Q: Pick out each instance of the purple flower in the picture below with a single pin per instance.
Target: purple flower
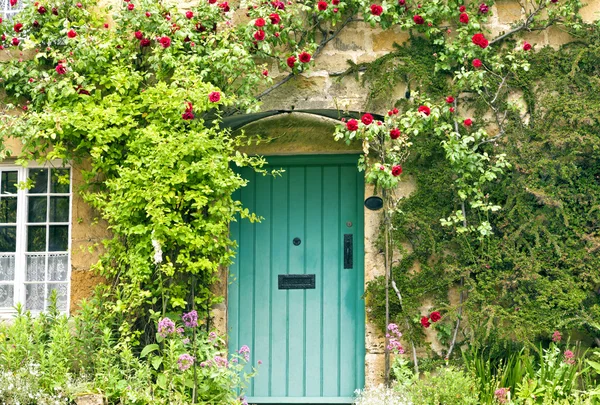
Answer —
(244, 401)
(185, 361)
(166, 327)
(190, 319)
(220, 361)
(501, 395)
(186, 341)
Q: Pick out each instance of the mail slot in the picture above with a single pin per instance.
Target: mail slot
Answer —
(296, 281)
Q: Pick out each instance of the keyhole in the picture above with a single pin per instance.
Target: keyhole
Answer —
(296, 241)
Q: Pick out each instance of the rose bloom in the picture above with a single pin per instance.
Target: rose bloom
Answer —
(395, 133)
(367, 119)
(60, 69)
(401, 2)
(435, 316)
(526, 46)
(451, 109)
(265, 73)
(479, 40)
(462, 9)
(71, 33)
(15, 41)
(260, 22)
(148, 14)
(352, 125)
(274, 17)
(396, 170)
(214, 97)
(464, 18)
(105, 25)
(468, 122)
(224, 6)
(279, 5)
(322, 5)
(138, 35)
(425, 110)
(483, 8)
(449, 99)
(476, 63)
(304, 57)
(418, 19)
(259, 35)
(79, 5)
(41, 10)
(376, 9)
(145, 42)
(291, 61)
(54, 11)
(425, 322)
(335, 2)
(189, 15)
(130, 6)
(165, 42)
(18, 27)
(13, 3)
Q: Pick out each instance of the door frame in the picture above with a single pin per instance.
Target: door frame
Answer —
(360, 350)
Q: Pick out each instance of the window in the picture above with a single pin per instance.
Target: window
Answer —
(7, 11)
(34, 237)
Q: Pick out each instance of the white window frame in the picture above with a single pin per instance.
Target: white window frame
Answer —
(20, 282)
(7, 12)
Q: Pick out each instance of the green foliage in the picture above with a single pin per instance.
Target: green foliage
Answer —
(447, 386)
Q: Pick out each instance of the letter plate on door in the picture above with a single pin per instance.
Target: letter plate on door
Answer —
(296, 281)
(348, 251)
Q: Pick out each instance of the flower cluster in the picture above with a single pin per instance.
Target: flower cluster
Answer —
(569, 357)
(166, 327)
(394, 336)
(433, 317)
(185, 361)
(502, 395)
(190, 320)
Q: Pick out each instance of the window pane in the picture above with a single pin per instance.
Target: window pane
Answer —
(59, 238)
(36, 210)
(36, 238)
(39, 177)
(36, 268)
(61, 295)
(6, 296)
(8, 238)
(7, 267)
(60, 181)
(59, 209)
(57, 267)
(8, 210)
(9, 182)
(34, 297)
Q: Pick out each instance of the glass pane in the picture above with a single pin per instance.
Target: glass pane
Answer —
(36, 268)
(34, 297)
(7, 267)
(36, 210)
(8, 238)
(60, 181)
(59, 209)
(59, 238)
(39, 177)
(9, 182)
(36, 238)
(8, 210)
(57, 267)
(61, 292)
(6, 296)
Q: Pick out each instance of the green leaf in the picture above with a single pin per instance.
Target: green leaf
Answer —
(156, 362)
(148, 349)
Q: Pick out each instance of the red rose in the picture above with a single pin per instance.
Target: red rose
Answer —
(395, 111)
(260, 22)
(451, 109)
(425, 110)
(526, 46)
(483, 8)
(418, 19)
(214, 97)
(138, 35)
(148, 14)
(464, 18)
(60, 69)
(291, 61)
(449, 99)
(480, 40)
(435, 316)
(165, 42)
(322, 5)
(396, 170)
(401, 2)
(130, 6)
(279, 5)
(54, 11)
(462, 9)
(145, 42)
(275, 19)
(352, 125)
(35, 24)
(425, 322)
(224, 6)
(15, 41)
(376, 9)
(276, 35)
(18, 27)
(78, 5)
(105, 25)
(304, 57)
(259, 35)
(187, 115)
(367, 119)
(335, 2)
(71, 33)
(395, 133)
(476, 63)
(265, 73)
(189, 15)
(41, 10)
(13, 3)
(468, 122)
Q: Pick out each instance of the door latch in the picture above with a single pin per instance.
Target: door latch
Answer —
(348, 250)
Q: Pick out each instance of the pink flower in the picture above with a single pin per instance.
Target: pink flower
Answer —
(185, 361)
(501, 395)
(526, 46)
(396, 170)
(569, 357)
(71, 33)
(190, 319)
(165, 42)
(13, 3)
(483, 8)
(556, 336)
(476, 63)
(138, 35)
(425, 110)
(60, 69)
(130, 6)
(189, 15)
(274, 17)
(166, 327)
(214, 97)
(224, 6)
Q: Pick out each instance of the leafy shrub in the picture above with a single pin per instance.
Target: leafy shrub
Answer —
(448, 385)
(380, 395)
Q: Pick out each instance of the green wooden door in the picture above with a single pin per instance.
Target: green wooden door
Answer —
(310, 340)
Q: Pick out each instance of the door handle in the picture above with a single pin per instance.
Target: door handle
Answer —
(348, 250)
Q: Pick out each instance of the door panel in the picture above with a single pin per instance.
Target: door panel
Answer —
(311, 341)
